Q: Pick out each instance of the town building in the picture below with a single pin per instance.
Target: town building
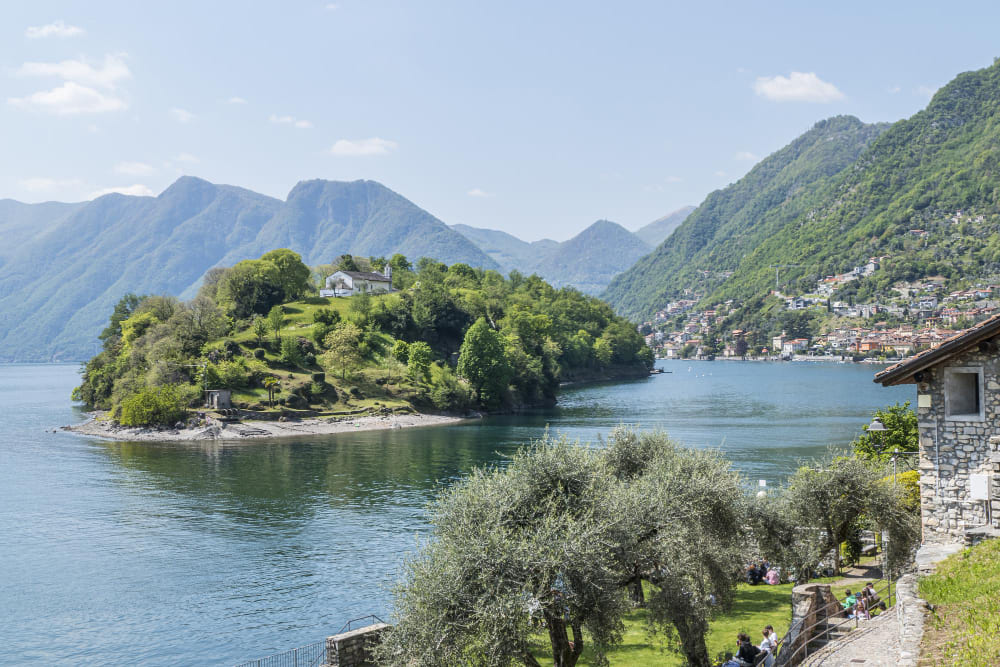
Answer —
(958, 412)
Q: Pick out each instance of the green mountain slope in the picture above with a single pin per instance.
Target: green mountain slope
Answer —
(589, 260)
(57, 289)
(734, 222)
(508, 251)
(658, 230)
(19, 223)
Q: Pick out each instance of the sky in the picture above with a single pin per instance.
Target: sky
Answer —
(536, 118)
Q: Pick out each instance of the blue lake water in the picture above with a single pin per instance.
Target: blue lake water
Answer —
(208, 554)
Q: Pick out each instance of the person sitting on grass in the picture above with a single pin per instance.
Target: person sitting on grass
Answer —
(773, 578)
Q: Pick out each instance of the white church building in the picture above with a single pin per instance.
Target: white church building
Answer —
(349, 283)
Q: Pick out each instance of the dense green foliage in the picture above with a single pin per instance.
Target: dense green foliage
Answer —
(94, 252)
(153, 406)
(901, 433)
(837, 195)
(458, 338)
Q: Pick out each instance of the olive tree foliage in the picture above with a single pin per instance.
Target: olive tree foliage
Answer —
(513, 548)
(686, 510)
(554, 542)
(830, 500)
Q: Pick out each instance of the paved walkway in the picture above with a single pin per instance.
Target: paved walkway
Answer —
(874, 642)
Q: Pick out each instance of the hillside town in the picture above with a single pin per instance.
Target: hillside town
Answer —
(915, 316)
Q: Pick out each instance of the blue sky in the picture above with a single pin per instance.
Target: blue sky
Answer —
(535, 118)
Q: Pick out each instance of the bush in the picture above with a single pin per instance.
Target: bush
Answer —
(401, 351)
(447, 392)
(318, 377)
(326, 316)
(156, 406)
(259, 353)
(291, 353)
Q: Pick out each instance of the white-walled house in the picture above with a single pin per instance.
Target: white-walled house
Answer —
(349, 283)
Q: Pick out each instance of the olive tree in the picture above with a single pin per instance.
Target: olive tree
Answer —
(513, 549)
(685, 510)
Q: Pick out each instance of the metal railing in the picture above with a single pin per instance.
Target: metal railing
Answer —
(309, 655)
(806, 633)
(371, 618)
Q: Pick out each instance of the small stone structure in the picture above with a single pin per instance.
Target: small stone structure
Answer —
(812, 604)
(352, 648)
(219, 399)
(958, 413)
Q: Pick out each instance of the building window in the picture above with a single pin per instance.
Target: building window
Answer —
(963, 393)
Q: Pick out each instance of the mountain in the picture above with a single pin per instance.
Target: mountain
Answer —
(713, 243)
(57, 290)
(589, 260)
(658, 230)
(508, 251)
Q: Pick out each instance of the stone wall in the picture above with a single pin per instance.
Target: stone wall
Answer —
(811, 604)
(351, 649)
(952, 449)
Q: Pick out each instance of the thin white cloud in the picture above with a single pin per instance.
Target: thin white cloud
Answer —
(106, 75)
(290, 120)
(746, 156)
(892, 90)
(137, 190)
(332, 6)
(69, 99)
(476, 192)
(187, 158)
(54, 29)
(182, 115)
(40, 185)
(797, 87)
(372, 146)
(926, 91)
(720, 173)
(134, 168)
(236, 100)
(673, 179)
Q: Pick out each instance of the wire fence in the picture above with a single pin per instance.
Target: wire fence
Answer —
(310, 655)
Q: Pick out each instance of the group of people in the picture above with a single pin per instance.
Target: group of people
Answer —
(763, 572)
(750, 655)
(861, 604)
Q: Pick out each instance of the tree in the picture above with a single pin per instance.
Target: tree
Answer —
(273, 386)
(831, 500)
(401, 351)
(483, 362)
(275, 320)
(293, 275)
(900, 433)
(419, 360)
(684, 512)
(531, 542)
(252, 286)
(123, 310)
(361, 306)
(343, 346)
(346, 262)
(259, 326)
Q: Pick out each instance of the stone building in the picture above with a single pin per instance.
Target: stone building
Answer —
(958, 413)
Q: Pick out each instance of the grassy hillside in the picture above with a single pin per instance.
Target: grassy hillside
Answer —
(965, 621)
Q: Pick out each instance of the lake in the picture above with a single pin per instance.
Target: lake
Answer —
(121, 553)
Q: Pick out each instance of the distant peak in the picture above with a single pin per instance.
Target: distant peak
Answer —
(187, 184)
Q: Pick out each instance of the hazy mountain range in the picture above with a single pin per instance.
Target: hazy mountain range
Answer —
(64, 266)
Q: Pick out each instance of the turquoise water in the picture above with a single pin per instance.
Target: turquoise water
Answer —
(209, 554)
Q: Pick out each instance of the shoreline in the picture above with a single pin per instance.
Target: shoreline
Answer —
(258, 430)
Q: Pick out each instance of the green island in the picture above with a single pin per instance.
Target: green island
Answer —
(444, 339)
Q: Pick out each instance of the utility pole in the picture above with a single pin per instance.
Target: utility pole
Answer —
(778, 267)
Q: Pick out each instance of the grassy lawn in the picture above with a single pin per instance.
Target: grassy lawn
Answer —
(964, 628)
(755, 607)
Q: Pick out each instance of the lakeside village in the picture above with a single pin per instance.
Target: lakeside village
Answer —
(920, 315)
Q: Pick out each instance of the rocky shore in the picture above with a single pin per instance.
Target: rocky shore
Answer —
(213, 429)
